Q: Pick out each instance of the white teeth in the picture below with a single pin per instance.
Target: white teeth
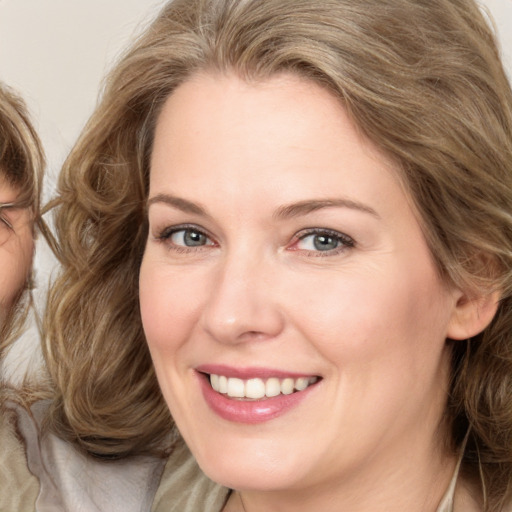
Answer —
(287, 386)
(223, 384)
(272, 387)
(236, 388)
(254, 388)
(214, 381)
(301, 383)
(258, 388)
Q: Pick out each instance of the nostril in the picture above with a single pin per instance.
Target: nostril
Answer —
(256, 335)
(250, 323)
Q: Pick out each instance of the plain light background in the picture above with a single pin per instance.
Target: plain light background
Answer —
(56, 52)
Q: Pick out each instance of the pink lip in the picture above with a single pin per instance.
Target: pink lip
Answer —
(248, 373)
(253, 411)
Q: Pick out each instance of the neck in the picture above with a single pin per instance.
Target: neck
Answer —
(413, 480)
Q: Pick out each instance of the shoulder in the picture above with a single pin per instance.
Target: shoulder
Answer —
(18, 486)
(59, 477)
(185, 488)
(469, 498)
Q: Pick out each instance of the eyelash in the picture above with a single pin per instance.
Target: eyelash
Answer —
(5, 221)
(165, 237)
(345, 242)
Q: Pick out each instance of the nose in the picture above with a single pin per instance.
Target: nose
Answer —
(242, 303)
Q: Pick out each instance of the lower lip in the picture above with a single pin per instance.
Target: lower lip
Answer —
(250, 411)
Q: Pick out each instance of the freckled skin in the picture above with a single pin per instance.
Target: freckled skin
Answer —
(370, 319)
(17, 250)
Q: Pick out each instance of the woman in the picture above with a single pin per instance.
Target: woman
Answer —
(37, 470)
(21, 167)
(310, 204)
(21, 164)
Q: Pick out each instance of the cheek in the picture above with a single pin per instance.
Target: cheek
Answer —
(15, 264)
(384, 336)
(169, 306)
(385, 312)
(169, 313)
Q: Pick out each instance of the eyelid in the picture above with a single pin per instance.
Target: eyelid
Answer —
(4, 219)
(164, 235)
(323, 231)
(6, 222)
(14, 205)
(167, 231)
(347, 242)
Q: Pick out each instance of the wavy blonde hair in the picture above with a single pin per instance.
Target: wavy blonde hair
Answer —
(21, 165)
(422, 79)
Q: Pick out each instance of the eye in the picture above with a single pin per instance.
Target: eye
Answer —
(323, 241)
(5, 224)
(6, 227)
(188, 238)
(185, 237)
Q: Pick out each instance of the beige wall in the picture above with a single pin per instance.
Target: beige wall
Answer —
(55, 52)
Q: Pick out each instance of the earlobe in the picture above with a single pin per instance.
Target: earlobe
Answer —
(472, 315)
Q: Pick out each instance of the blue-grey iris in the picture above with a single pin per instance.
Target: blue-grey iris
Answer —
(193, 238)
(325, 242)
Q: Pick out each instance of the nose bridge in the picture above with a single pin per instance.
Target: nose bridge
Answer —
(241, 303)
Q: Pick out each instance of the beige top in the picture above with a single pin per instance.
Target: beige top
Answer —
(45, 474)
(204, 495)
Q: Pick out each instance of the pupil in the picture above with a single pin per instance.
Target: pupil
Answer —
(193, 238)
(325, 242)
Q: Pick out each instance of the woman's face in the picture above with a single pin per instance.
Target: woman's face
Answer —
(284, 259)
(16, 247)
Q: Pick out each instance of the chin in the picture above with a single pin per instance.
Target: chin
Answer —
(257, 469)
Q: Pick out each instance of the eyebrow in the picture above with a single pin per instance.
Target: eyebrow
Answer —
(308, 206)
(177, 202)
(13, 205)
(282, 213)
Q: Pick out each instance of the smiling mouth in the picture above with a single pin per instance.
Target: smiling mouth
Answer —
(258, 389)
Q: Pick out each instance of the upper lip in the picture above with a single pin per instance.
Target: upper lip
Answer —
(245, 373)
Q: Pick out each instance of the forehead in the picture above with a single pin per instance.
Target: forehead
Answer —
(282, 131)
(221, 111)
(8, 191)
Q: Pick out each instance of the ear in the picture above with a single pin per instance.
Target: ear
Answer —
(471, 315)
